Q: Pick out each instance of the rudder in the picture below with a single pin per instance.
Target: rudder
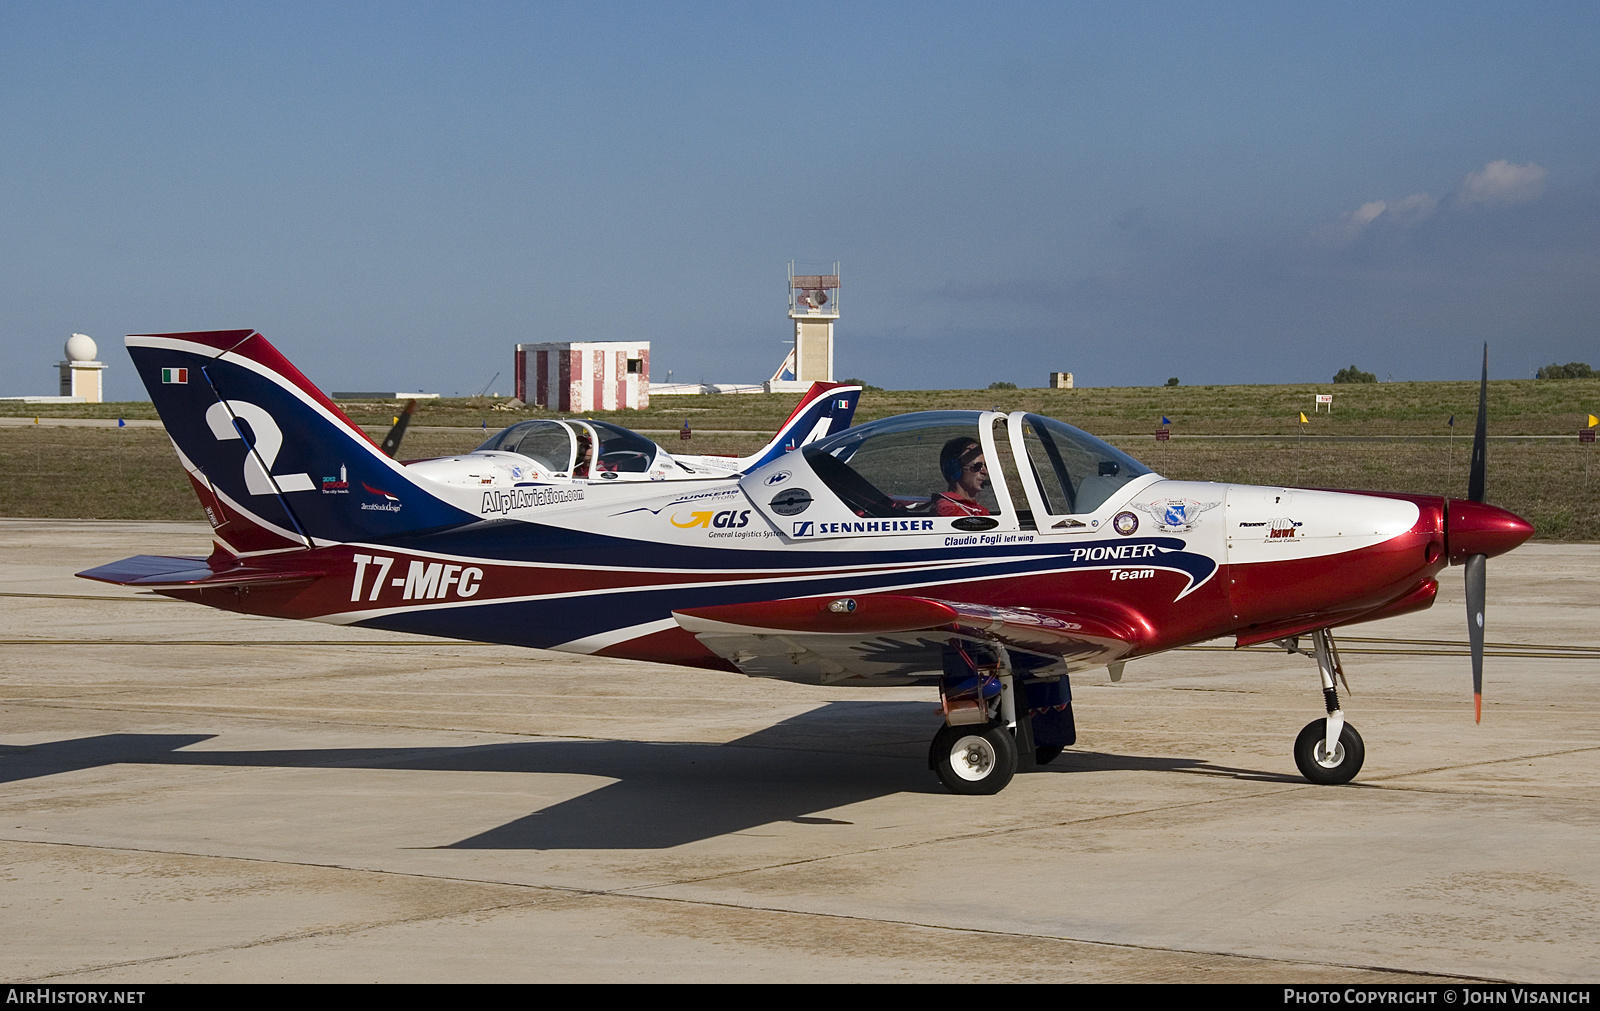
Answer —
(276, 464)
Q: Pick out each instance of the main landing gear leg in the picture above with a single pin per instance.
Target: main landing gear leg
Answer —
(1329, 751)
(976, 751)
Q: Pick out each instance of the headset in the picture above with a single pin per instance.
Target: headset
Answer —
(952, 459)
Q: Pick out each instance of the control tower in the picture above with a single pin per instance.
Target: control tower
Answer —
(813, 306)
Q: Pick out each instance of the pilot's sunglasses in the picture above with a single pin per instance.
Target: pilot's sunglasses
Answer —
(973, 468)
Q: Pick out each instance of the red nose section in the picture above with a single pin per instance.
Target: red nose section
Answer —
(1474, 528)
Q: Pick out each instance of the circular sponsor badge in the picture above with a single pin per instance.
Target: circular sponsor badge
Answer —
(791, 502)
(1125, 523)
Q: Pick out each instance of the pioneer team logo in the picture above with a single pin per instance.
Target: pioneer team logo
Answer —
(1175, 515)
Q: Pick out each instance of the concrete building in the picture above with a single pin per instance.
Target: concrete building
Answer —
(584, 376)
(813, 306)
(1060, 380)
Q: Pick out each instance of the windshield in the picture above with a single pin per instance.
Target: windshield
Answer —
(1076, 472)
(548, 443)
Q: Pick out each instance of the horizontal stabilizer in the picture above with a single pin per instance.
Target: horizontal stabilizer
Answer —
(159, 571)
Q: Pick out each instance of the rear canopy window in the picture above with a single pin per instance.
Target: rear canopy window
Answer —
(623, 451)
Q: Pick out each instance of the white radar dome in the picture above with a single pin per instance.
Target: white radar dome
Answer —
(80, 347)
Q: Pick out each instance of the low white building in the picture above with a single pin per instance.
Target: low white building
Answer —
(584, 376)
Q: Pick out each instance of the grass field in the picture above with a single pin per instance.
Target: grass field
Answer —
(1516, 407)
(132, 473)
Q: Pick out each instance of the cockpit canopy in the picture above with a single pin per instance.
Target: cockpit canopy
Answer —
(944, 462)
(568, 449)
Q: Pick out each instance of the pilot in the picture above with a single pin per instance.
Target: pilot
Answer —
(962, 465)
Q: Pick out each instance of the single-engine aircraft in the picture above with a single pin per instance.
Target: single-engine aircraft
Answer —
(989, 555)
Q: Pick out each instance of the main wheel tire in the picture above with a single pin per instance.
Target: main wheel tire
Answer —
(1045, 754)
(974, 760)
(1311, 754)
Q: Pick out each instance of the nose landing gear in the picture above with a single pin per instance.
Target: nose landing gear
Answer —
(1329, 752)
(1323, 767)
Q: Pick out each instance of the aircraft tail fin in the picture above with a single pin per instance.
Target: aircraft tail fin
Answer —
(276, 465)
(825, 409)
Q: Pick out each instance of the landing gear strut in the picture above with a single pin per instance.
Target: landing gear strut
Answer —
(1328, 751)
(996, 723)
(976, 751)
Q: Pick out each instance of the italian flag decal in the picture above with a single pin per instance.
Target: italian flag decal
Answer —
(174, 375)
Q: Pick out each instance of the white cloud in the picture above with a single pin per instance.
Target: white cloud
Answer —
(1500, 183)
(1416, 208)
(1364, 215)
(1412, 210)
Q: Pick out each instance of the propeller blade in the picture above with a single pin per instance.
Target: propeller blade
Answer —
(1480, 436)
(1477, 569)
(1477, 565)
(391, 442)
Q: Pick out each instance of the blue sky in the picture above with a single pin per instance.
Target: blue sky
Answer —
(396, 194)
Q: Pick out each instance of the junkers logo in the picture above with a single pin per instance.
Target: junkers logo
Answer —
(791, 502)
(778, 478)
(1125, 523)
(975, 523)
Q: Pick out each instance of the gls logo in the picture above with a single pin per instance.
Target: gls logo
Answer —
(223, 418)
(728, 519)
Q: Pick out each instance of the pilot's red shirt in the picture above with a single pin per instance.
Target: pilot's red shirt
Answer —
(950, 504)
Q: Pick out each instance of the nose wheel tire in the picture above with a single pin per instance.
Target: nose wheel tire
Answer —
(1311, 754)
(974, 760)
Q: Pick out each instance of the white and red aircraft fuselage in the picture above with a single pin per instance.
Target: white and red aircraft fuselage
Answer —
(868, 555)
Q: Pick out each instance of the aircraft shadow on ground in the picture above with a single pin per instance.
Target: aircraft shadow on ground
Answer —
(664, 794)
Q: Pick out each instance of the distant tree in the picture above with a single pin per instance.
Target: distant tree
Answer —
(1002, 385)
(1354, 375)
(866, 387)
(1173, 381)
(1571, 370)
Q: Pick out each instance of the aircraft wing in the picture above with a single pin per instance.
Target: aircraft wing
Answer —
(890, 639)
